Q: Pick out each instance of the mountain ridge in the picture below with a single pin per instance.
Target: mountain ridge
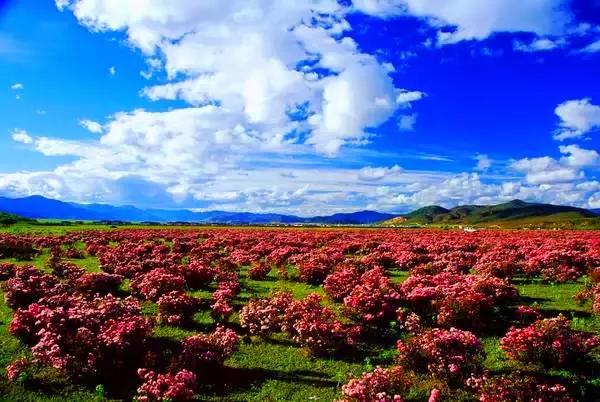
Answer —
(39, 207)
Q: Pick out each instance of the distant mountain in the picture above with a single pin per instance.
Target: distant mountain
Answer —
(510, 212)
(353, 218)
(595, 211)
(38, 207)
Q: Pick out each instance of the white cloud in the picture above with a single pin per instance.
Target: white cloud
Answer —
(251, 51)
(112, 70)
(547, 170)
(21, 136)
(578, 117)
(538, 45)
(92, 126)
(378, 173)
(592, 47)
(476, 19)
(483, 162)
(578, 157)
(407, 122)
(17, 86)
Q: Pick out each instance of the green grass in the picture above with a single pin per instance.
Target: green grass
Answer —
(275, 369)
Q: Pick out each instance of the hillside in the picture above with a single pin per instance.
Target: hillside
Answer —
(9, 219)
(510, 214)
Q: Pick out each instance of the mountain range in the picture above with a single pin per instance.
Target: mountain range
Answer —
(516, 211)
(38, 207)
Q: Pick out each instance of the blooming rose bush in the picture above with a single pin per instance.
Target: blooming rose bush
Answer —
(202, 350)
(259, 270)
(550, 342)
(156, 283)
(265, 316)
(466, 301)
(374, 300)
(519, 387)
(381, 385)
(317, 328)
(340, 283)
(156, 387)
(82, 337)
(98, 283)
(450, 355)
(177, 308)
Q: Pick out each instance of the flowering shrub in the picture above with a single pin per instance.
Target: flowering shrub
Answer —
(198, 275)
(259, 271)
(550, 342)
(520, 387)
(374, 300)
(316, 327)
(83, 337)
(176, 308)
(98, 283)
(459, 300)
(208, 349)
(381, 385)
(158, 282)
(265, 316)
(166, 387)
(18, 367)
(7, 270)
(340, 283)
(450, 355)
(28, 286)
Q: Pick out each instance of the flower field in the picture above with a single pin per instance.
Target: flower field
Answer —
(300, 314)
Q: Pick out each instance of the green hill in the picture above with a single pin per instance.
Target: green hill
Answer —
(510, 214)
(10, 219)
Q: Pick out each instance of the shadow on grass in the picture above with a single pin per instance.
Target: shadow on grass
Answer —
(224, 381)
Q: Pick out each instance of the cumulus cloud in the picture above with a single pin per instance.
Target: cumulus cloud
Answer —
(592, 47)
(378, 173)
(578, 117)
(21, 136)
(483, 162)
(538, 45)
(17, 86)
(112, 70)
(261, 61)
(476, 19)
(547, 170)
(90, 125)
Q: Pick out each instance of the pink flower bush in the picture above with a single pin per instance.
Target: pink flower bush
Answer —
(381, 385)
(98, 283)
(28, 286)
(158, 282)
(550, 342)
(18, 367)
(176, 308)
(166, 387)
(520, 387)
(374, 300)
(83, 337)
(317, 328)
(202, 350)
(265, 316)
(259, 270)
(464, 301)
(198, 275)
(340, 283)
(450, 355)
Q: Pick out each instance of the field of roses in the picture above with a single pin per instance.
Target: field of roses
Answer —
(300, 314)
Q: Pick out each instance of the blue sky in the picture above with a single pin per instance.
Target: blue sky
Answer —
(308, 107)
